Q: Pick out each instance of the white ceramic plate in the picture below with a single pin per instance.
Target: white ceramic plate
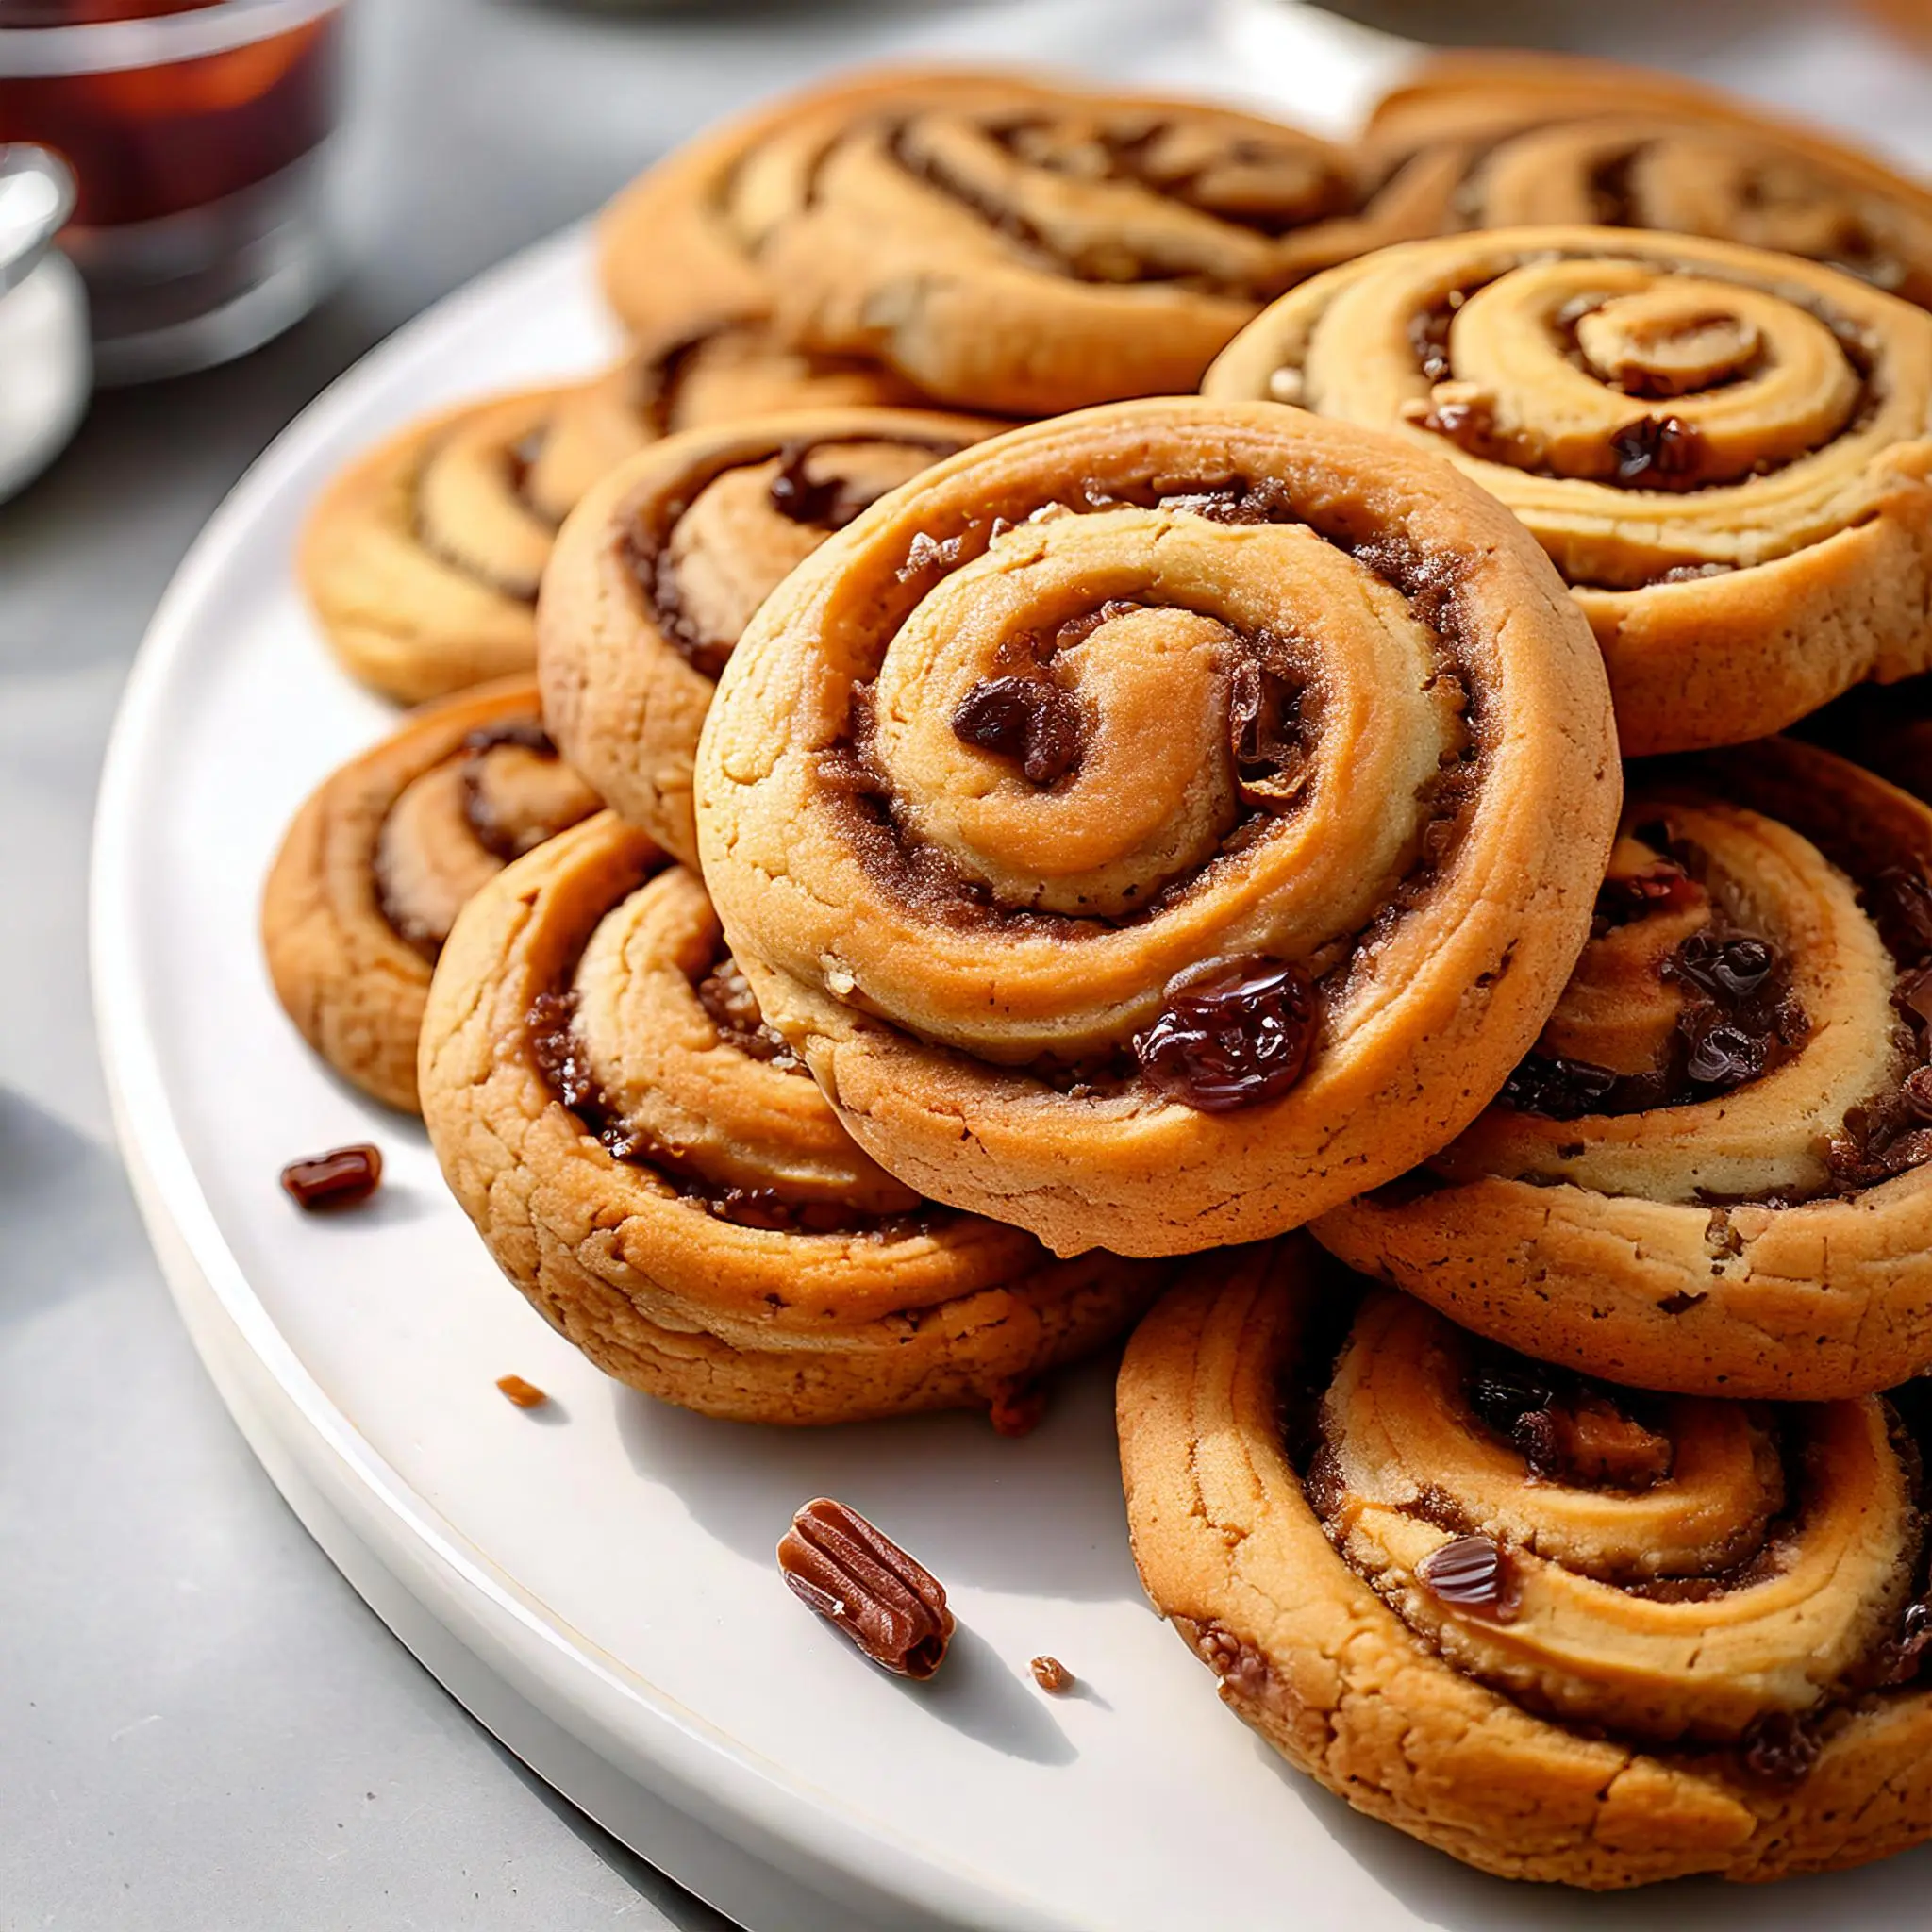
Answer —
(597, 1584)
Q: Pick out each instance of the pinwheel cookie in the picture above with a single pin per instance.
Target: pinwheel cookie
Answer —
(1559, 1629)
(1506, 139)
(649, 1164)
(422, 558)
(1711, 1173)
(727, 376)
(381, 857)
(663, 564)
(1150, 824)
(677, 249)
(1040, 251)
(1728, 453)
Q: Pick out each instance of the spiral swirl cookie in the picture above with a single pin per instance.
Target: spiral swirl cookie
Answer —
(1043, 252)
(677, 249)
(423, 558)
(664, 563)
(1728, 453)
(382, 857)
(1149, 824)
(1557, 1629)
(1710, 1173)
(650, 1165)
(1512, 139)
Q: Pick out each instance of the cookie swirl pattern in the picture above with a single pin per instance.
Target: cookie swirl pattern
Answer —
(1711, 1173)
(382, 857)
(1040, 253)
(1557, 1629)
(1728, 453)
(677, 249)
(1509, 140)
(662, 565)
(727, 375)
(651, 1166)
(1148, 824)
(423, 558)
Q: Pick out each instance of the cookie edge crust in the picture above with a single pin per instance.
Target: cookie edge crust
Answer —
(324, 945)
(951, 1130)
(1346, 1692)
(573, 1251)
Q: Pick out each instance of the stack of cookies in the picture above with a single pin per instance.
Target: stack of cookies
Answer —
(1058, 738)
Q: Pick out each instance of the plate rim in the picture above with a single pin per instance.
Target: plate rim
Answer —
(815, 1840)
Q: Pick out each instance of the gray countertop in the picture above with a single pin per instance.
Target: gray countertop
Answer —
(203, 1726)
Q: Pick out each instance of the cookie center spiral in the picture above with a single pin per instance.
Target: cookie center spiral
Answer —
(1758, 1562)
(1071, 731)
(1554, 363)
(658, 1045)
(457, 825)
(1733, 1012)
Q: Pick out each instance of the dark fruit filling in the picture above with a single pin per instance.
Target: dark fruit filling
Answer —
(1739, 1023)
(1234, 1039)
(1028, 720)
(826, 502)
(1629, 896)
(1568, 1429)
(1900, 903)
(1559, 1090)
(1658, 453)
(1780, 1748)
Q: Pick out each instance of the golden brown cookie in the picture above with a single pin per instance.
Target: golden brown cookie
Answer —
(663, 564)
(1560, 1630)
(1040, 251)
(380, 860)
(1505, 139)
(1150, 824)
(421, 559)
(1728, 453)
(676, 250)
(1710, 1174)
(652, 1168)
(728, 375)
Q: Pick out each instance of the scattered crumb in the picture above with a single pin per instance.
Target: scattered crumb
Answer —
(1051, 1674)
(524, 1394)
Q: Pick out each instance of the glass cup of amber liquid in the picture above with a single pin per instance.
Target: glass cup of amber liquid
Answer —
(199, 132)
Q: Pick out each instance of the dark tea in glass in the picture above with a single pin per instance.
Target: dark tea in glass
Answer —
(199, 132)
